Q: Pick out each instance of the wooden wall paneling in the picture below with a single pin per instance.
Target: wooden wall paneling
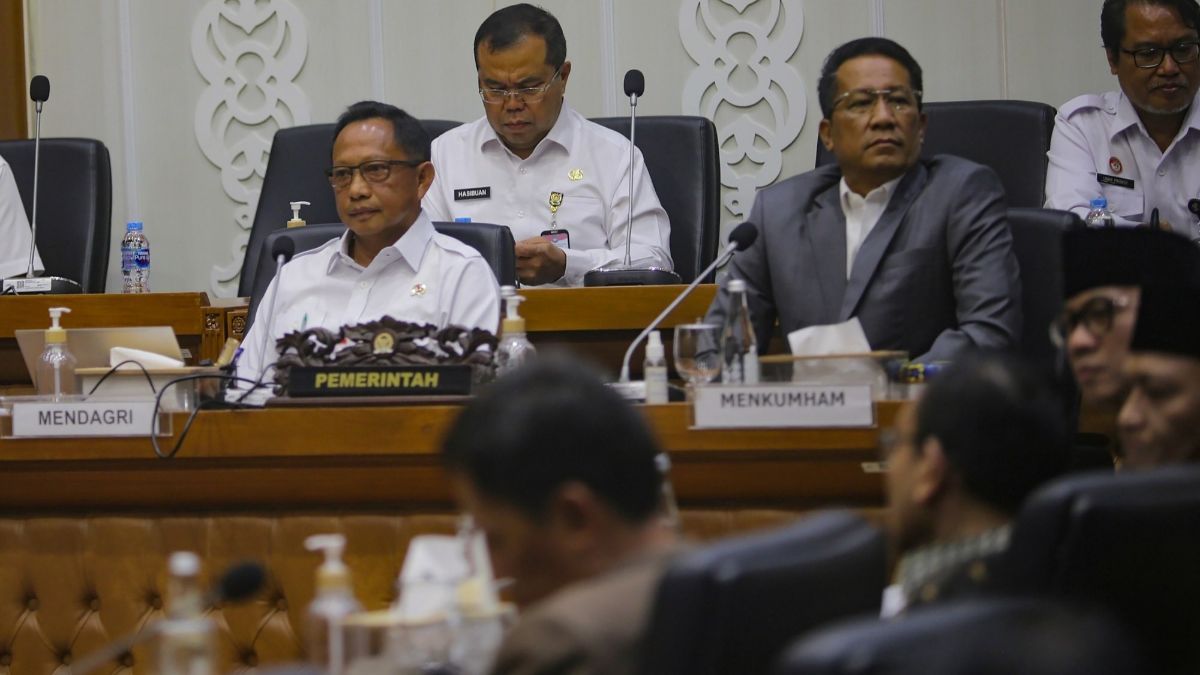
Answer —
(13, 95)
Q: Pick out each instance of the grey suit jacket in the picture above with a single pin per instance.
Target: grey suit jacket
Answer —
(937, 273)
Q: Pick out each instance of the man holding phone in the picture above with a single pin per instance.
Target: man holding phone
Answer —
(559, 181)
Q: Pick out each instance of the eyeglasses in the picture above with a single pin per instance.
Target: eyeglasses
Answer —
(1152, 57)
(374, 171)
(1096, 315)
(525, 94)
(862, 101)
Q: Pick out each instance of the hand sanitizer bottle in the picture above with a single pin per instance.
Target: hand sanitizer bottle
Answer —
(654, 369)
(515, 349)
(187, 638)
(333, 602)
(56, 367)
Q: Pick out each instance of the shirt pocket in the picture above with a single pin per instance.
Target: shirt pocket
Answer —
(1125, 202)
(297, 317)
(584, 217)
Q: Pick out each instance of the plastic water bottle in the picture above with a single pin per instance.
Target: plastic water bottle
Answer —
(135, 259)
(1100, 216)
(739, 350)
(187, 638)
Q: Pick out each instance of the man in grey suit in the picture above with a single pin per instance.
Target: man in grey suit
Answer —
(918, 250)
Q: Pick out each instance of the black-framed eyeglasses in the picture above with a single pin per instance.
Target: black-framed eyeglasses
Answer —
(1184, 51)
(862, 101)
(1096, 315)
(526, 94)
(374, 171)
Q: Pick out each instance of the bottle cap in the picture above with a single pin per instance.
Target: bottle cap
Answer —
(654, 346)
(463, 219)
(55, 335)
(332, 574)
(513, 321)
(1099, 203)
(736, 286)
(183, 564)
(296, 221)
(133, 226)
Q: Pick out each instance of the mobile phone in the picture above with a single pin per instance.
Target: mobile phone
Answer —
(560, 238)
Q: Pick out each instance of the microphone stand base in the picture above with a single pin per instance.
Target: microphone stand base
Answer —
(630, 276)
(40, 286)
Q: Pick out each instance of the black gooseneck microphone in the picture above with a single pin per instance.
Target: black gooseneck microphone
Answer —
(31, 283)
(238, 584)
(625, 274)
(282, 251)
(741, 238)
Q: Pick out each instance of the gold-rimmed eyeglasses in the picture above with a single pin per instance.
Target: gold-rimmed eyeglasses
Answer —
(525, 94)
(374, 171)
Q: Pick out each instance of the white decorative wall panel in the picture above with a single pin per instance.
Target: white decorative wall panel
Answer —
(249, 53)
(743, 81)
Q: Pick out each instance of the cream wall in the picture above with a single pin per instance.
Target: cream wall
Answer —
(129, 72)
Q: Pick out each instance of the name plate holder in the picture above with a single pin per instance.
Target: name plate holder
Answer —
(29, 417)
(782, 405)
(432, 380)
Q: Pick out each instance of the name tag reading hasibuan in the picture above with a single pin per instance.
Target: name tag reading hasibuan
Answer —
(382, 381)
(85, 418)
(783, 405)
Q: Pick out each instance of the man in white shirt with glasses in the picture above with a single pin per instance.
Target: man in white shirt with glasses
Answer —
(1137, 147)
(559, 181)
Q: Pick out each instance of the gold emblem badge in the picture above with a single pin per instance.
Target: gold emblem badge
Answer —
(575, 174)
(384, 343)
(417, 289)
(555, 201)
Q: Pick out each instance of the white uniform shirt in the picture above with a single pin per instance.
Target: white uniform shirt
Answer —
(477, 177)
(425, 277)
(15, 235)
(862, 213)
(1099, 135)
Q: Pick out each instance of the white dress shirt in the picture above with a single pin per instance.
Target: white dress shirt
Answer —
(477, 177)
(425, 277)
(1101, 135)
(862, 213)
(15, 235)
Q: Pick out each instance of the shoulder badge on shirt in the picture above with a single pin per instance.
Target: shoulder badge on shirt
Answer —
(575, 174)
(418, 290)
(465, 194)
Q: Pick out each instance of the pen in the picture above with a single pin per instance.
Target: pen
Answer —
(1154, 218)
(304, 321)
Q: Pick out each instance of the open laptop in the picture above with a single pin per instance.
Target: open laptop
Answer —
(91, 346)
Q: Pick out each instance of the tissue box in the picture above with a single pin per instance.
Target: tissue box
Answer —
(129, 383)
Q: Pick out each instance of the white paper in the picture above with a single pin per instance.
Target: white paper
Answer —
(149, 360)
(838, 338)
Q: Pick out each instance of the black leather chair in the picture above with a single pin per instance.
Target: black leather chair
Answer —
(74, 205)
(1011, 137)
(295, 172)
(1130, 542)
(1037, 243)
(730, 608)
(683, 161)
(494, 242)
(976, 637)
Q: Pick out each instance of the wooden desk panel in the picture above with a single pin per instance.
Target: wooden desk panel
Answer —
(364, 458)
(199, 327)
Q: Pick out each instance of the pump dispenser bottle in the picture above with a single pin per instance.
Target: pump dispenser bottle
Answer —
(56, 367)
(334, 600)
(515, 349)
(186, 637)
(296, 221)
(654, 369)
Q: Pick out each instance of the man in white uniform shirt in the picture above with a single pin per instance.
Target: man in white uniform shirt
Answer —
(15, 235)
(1138, 147)
(390, 261)
(532, 163)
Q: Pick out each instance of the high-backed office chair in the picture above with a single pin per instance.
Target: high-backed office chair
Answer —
(1037, 243)
(981, 637)
(730, 608)
(1130, 542)
(494, 242)
(74, 205)
(1011, 137)
(295, 172)
(684, 164)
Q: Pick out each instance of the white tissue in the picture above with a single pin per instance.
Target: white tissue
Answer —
(149, 360)
(838, 338)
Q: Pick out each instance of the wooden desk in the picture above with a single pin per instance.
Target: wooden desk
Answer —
(387, 458)
(599, 323)
(199, 326)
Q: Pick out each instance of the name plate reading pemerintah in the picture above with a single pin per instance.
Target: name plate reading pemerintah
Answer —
(382, 381)
(82, 419)
(783, 405)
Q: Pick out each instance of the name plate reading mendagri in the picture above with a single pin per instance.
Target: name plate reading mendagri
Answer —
(382, 381)
(783, 405)
(86, 418)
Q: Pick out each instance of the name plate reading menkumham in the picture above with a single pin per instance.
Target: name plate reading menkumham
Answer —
(86, 418)
(783, 405)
